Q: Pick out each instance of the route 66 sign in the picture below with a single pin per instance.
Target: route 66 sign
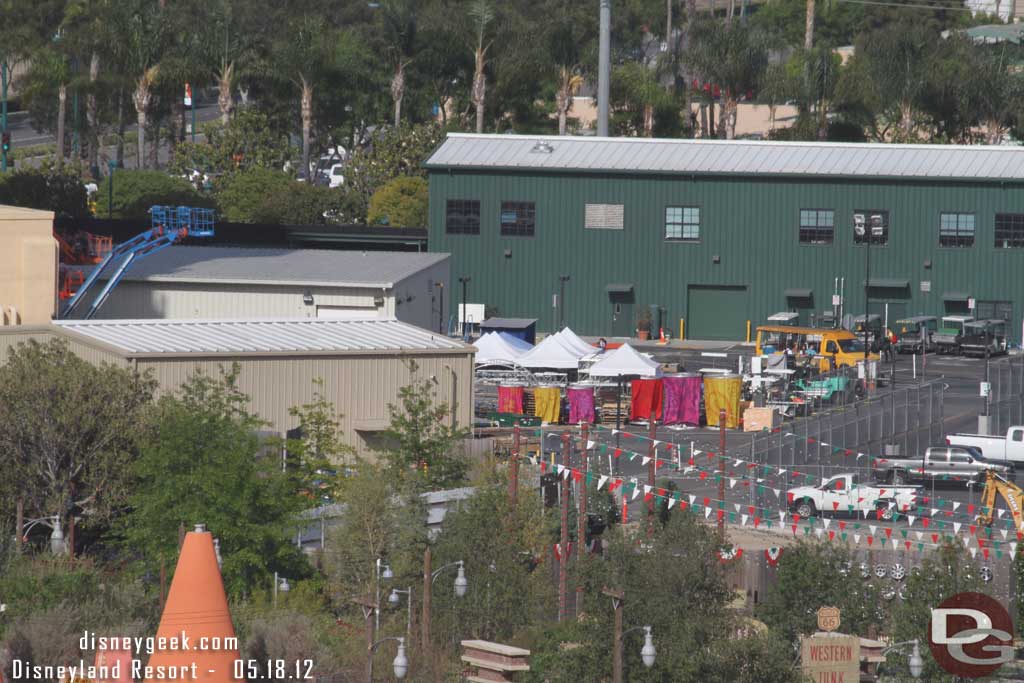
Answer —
(828, 618)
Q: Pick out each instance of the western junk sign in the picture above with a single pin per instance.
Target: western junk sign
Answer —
(831, 658)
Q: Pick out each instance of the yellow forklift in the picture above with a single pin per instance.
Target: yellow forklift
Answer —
(1011, 493)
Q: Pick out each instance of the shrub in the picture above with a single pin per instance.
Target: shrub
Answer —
(59, 191)
(136, 191)
(240, 196)
(401, 203)
(296, 203)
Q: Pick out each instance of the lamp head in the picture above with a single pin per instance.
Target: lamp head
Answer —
(285, 586)
(393, 598)
(647, 652)
(401, 663)
(915, 662)
(461, 584)
(387, 573)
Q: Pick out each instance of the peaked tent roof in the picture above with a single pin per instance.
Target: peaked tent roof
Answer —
(573, 341)
(623, 362)
(499, 347)
(197, 606)
(553, 353)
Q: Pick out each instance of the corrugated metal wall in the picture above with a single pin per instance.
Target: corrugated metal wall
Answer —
(751, 224)
(9, 338)
(361, 387)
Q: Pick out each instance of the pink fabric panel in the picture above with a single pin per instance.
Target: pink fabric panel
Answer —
(581, 405)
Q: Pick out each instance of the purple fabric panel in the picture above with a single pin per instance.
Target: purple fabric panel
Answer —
(682, 400)
(581, 405)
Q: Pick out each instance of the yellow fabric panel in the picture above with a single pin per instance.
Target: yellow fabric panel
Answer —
(719, 393)
(547, 403)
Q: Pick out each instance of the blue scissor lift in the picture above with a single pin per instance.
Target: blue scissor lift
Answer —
(168, 225)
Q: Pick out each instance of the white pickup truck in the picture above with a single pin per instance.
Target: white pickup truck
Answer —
(996, 448)
(843, 494)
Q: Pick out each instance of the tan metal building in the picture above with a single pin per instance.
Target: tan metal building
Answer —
(363, 363)
(241, 282)
(28, 266)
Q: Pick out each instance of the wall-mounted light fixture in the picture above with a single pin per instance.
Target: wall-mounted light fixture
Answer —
(928, 263)
(378, 301)
(716, 259)
(508, 253)
(307, 298)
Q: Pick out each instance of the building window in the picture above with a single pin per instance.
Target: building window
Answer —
(682, 223)
(817, 226)
(462, 217)
(603, 216)
(994, 310)
(517, 219)
(1009, 230)
(956, 229)
(870, 226)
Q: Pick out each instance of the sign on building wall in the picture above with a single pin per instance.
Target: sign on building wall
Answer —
(603, 216)
(831, 658)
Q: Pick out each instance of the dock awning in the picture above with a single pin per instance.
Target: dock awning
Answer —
(619, 288)
(888, 283)
(955, 296)
(798, 293)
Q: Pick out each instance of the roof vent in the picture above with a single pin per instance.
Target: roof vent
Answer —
(200, 528)
(541, 147)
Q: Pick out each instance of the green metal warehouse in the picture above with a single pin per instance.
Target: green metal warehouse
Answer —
(721, 232)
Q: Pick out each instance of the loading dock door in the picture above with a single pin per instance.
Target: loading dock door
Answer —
(717, 312)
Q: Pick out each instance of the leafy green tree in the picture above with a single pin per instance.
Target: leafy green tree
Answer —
(395, 152)
(61, 192)
(941, 575)
(424, 447)
(203, 461)
(402, 203)
(296, 203)
(241, 195)
(246, 142)
(810, 576)
(642, 106)
(136, 191)
(68, 432)
(319, 443)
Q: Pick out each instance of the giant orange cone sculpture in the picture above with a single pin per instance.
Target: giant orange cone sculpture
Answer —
(201, 644)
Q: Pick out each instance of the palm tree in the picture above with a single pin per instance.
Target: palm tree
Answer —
(142, 97)
(481, 15)
(139, 36)
(400, 21)
(564, 53)
(49, 75)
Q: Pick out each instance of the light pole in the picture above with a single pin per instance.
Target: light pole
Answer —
(382, 571)
(400, 664)
(562, 279)
(111, 165)
(3, 110)
(57, 545)
(429, 577)
(393, 600)
(465, 334)
(648, 653)
(440, 308)
(280, 584)
(915, 662)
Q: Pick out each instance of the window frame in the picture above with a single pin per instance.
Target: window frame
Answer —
(995, 232)
(800, 227)
(518, 233)
(874, 243)
(957, 236)
(682, 224)
(447, 215)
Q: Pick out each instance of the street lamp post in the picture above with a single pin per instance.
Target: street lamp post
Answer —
(400, 664)
(57, 544)
(915, 663)
(562, 279)
(465, 334)
(111, 165)
(3, 109)
(648, 653)
(460, 586)
(382, 571)
(393, 600)
(280, 584)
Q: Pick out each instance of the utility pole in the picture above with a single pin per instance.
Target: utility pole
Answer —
(440, 308)
(581, 517)
(616, 596)
(3, 111)
(721, 472)
(425, 621)
(19, 525)
(652, 432)
(465, 333)
(563, 555)
(604, 68)
(513, 480)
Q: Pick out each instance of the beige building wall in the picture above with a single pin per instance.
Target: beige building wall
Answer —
(28, 266)
(415, 299)
(359, 385)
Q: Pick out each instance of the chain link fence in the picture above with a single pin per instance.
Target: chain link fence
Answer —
(1006, 398)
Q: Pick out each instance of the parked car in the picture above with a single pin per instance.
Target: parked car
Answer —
(845, 494)
(916, 334)
(957, 463)
(1003, 449)
(984, 338)
(947, 338)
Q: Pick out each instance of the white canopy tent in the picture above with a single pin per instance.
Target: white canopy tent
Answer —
(625, 361)
(499, 347)
(573, 341)
(553, 352)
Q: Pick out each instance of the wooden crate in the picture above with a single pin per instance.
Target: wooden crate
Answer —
(761, 419)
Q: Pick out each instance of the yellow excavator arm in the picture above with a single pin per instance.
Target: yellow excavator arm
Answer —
(1011, 493)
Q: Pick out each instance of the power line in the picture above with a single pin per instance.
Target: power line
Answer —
(899, 5)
